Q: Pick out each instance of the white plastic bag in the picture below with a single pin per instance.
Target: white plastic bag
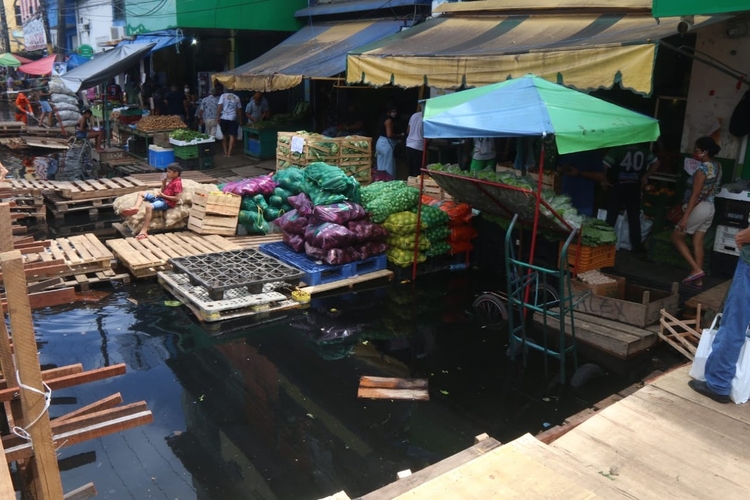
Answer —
(698, 370)
(740, 392)
(239, 134)
(622, 230)
(219, 133)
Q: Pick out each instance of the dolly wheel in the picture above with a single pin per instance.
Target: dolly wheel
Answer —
(490, 310)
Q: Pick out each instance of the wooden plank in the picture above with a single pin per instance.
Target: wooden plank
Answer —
(47, 480)
(48, 298)
(102, 404)
(71, 380)
(349, 282)
(48, 374)
(84, 492)
(435, 470)
(6, 483)
(393, 383)
(80, 435)
(378, 393)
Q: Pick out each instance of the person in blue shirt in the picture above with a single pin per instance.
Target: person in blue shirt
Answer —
(581, 172)
(257, 109)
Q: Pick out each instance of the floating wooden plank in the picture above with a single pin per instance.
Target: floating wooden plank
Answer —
(75, 379)
(623, 341)
(384, 274)
(48, 298)
(84, 492)
(393, 388)
(102, 404)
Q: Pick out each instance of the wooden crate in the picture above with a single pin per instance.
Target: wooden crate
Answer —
(214, 203)
(640, 307)
(351, 154)
(615, 289)
(431, 188)
(214, 213)
(213, 224)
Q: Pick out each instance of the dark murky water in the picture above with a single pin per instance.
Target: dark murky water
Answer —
(271, 412)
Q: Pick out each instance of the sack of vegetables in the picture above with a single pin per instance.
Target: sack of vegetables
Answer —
(388, 198)
(404, 258)
(332, 256)
(328, 235)
(293, 223)
(367, 231)
(401, 223)
(294, 241)
(339, 213)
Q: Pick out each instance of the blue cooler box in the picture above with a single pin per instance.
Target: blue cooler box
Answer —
(159, 157)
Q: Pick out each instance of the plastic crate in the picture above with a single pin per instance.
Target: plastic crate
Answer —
(590, 257)
(160, 157)
(205, 162)
(186, 152)
(190, 164)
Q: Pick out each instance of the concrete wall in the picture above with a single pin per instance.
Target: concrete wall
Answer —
(98, 16)
(713, 95)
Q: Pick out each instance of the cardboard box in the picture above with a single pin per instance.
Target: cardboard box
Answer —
(615, 290)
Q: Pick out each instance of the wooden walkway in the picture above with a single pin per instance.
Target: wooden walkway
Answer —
(663, 441)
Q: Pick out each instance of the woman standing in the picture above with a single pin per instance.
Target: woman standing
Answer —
(698, 207)
(386, 145)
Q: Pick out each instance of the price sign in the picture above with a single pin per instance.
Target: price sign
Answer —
(298, 144)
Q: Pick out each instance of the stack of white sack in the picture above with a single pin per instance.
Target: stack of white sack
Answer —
(170, 219)
(65, 101)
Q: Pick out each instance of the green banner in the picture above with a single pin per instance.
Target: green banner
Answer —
(668, 8)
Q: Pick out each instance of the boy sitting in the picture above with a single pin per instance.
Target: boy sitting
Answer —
(166, 198)
(83, 130)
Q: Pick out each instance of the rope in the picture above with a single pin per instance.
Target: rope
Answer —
(24, 432)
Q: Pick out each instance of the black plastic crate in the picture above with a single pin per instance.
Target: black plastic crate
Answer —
(206, 149)
(221, 271)
(191, 164)
(205, 162)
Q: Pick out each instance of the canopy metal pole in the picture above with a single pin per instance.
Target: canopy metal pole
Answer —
(105, 118)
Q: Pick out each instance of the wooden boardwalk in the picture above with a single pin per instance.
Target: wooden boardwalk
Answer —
(663, 441)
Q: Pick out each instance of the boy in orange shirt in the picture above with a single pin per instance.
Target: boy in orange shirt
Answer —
(166, 198)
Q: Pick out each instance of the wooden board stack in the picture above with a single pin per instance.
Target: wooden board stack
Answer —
(214, 213)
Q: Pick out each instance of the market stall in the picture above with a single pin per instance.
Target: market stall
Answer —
(529, 107)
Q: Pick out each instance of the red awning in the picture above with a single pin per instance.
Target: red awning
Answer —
(41, 67)
(22, 59)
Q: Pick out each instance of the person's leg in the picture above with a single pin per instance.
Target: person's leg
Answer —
(699, 253)
(146, 221)
(725, 351)
(613, 205)
(232, 139)
(678, 240)
(382, 150)
(134, 209)
(414, 156)
(632, 199)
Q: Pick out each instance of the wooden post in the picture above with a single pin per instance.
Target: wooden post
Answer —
(46, 472)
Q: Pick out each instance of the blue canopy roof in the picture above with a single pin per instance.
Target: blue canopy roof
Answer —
(161, 39)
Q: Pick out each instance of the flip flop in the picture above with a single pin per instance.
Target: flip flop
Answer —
(128, 212)
(141, 237)
(694, 277)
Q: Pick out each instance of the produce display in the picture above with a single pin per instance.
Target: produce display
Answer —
(185, 135)
(153, 123)
(352, 154)
(382, 199)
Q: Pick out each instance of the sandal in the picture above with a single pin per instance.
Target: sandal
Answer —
(141, 237)
(694, 277)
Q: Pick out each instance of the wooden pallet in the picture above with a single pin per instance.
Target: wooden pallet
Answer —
(60, 207)
(253, 241)
(238, 303)
(101, 188)
(194, 175)
(146, 257)
(102, 229)
(84, 281)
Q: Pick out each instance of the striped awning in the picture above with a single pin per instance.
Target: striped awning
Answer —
(583, 51)
(316, 51)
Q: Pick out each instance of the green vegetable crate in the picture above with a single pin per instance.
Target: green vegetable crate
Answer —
(352, 154)
(186, 152)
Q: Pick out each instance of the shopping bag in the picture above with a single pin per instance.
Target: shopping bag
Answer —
(622, 230)
(239, 133)
(740, 392)
(698, 370)
(219, 134)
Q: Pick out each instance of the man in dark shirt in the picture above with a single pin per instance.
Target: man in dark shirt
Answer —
(176, 102)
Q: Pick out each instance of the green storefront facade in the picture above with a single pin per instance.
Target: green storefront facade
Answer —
(667, 8)
(276, 15)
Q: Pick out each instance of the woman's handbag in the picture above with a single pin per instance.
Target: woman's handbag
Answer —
(676, 213)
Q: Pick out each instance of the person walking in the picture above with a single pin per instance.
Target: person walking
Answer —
(176, 103)
(721, 364)
(415, 142)
(698, 205)
(230, 117)
(386, 144)
(628, 169)
(208, 112)
(45, 105)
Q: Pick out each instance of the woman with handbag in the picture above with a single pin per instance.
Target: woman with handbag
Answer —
(698, 208)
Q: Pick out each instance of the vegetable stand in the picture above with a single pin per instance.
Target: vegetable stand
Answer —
(143, 139)
(259, 143)
(529, 107)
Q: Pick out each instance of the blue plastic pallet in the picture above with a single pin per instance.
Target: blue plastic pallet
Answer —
(319, 274)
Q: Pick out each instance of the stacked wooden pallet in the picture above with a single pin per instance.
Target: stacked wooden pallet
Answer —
(11, 128)
(148, 256)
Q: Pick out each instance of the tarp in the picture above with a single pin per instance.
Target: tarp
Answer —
(76, 60)
(317, 50)
(665, 8)
(41, 67)
(23, 59)
(532, 106)
(105, 66)
(583, 51)
(9, 60)
(160, 39)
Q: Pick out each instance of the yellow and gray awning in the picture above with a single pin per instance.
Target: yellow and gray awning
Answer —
(583, 51)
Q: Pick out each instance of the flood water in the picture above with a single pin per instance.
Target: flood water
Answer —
(271, 411)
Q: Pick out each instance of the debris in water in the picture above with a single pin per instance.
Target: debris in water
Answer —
(202, 397)
(444, 392)
(546, 425)
(172, 303)
(133, 301)
(311, 416)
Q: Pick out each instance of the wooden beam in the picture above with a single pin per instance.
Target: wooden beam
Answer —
(43, 285)
(50, 374)
(83, 493)
(393, 383)
(80, 435)
(71, 380)
(6, 231)
(378, 393)
(6, 483)
(46, 473)
(48, 298)
(102, 404)
(83, 421)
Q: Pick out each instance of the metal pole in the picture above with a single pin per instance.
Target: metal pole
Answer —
(4, 30)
